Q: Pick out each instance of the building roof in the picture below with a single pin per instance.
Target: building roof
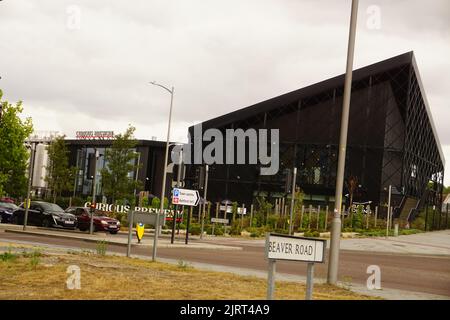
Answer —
(108, 142)
(315, 89)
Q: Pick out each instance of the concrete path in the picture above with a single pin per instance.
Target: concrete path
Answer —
(430, 243)
(118, 239)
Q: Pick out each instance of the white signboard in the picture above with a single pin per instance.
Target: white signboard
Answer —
(217, 220)
(230, 209)
(185, 197)
(284, 247)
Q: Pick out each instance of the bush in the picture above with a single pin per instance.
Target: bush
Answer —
(418, 223)
(8, 256)
(101, 247)
(195, 229)
(257, 231)
(313, 234)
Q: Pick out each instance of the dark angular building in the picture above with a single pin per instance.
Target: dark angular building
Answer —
(391, 141)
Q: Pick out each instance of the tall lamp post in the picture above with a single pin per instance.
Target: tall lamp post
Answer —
(94, 191)
(137, 173)
(336, 222)
(163, 187)
(30, 173)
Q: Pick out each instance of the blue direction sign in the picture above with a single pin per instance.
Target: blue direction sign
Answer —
(185, 197)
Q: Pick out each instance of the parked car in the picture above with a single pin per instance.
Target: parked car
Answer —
(6, 211)
(45, 214)
(101, 221)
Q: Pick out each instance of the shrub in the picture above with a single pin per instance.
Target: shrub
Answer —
(418, 223)
(101, 247)
(8, 256)
(314, 234)
(195, 229)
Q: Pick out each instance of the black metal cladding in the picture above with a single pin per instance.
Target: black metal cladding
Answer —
(390, 138)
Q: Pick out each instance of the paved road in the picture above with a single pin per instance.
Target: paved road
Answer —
(427, 274)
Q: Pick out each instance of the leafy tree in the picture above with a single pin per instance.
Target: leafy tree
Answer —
(120, 159)
(13, 152)
(60, 177)
(447, 190)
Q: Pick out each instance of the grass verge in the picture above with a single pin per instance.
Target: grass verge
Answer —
(116, 277)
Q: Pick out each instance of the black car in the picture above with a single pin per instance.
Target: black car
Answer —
(45, 214)
(6, 211)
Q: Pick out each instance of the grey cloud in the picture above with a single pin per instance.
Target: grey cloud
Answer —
(219, 55)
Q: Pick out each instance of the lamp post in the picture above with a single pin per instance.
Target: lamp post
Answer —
(30, 172)
(336, 222)
(94, 191)
(389, 213)
(163, 187)
(174, 219)
(137, 173)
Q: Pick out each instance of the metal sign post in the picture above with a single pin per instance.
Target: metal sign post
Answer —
(130, 228)
(271, 279)
(284, 247)
(188, 223)
(291, 213)
(309, 281)
(142, 217)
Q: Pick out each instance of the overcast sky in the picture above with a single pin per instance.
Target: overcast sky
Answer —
(85, 65)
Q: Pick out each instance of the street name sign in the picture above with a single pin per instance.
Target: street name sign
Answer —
(185, 197)
(284, 247)
(218, 220)
(142, 217)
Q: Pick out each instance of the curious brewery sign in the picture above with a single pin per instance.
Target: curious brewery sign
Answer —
(93, 135)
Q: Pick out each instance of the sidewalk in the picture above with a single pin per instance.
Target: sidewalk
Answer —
(429, 243)
(117, 239)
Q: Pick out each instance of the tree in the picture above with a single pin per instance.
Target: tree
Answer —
(120, 159)
(60, 177)
(13, 152)
(446, 190)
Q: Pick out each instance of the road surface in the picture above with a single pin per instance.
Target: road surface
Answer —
(418, 273)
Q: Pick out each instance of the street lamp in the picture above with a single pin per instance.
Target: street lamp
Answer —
(163, 187)
(137, 172)
(336, 221)
(30, 173)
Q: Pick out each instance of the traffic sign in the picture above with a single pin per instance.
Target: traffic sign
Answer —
(185, 197)
(283, 247)
(217, 220)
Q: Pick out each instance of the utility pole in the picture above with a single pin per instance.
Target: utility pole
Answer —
(291, 222)
(76, 174)
(137, 173)
(30, 172)
(336, 222)
(163, 187)
(174, 219)
(94, 191)
(388, 218)
(204, 199)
